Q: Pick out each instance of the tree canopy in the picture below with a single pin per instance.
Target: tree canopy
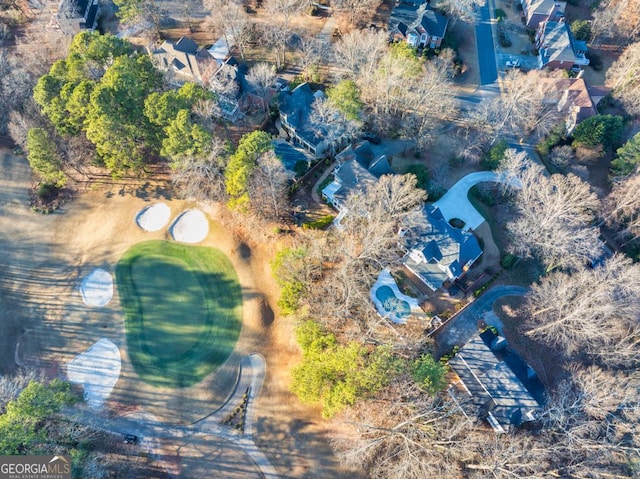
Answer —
(627, 159)
(604, 130)
(43, 157)
(242, 163)
(345, 96)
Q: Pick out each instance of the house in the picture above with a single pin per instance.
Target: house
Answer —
(226, 81)
(419, 26)
(437, 253)
(501, 386)
(358, 168)
(295, 160)
(295, 108)
(577, 101)
(535, 12)
(74, 16)
(557, 47)
(184, 61)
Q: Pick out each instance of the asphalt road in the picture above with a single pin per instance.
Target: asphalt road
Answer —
(484, 41)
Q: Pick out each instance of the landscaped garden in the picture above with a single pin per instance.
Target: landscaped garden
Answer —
(183, 311)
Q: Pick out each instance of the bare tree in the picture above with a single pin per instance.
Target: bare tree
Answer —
(616, 20)
(279, 30)
(594, 311)
(311, 52)
(268, 187)
(622, 207)
(356, 11)
(202, 178)
(624, 78)
(591, 424)
(403, 434)
(332, 125)
(359, 51)
(461, 9)
(261, 77)
(230, 20)
(554, 214)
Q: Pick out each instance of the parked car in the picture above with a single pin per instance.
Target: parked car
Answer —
(513, 63)
(130, 439)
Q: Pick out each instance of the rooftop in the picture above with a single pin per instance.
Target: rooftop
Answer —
(497, 393)
(405, 17)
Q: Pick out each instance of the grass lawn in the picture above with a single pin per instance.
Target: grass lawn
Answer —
(183, 310)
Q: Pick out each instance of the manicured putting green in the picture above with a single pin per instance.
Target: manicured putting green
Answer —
(183, 310)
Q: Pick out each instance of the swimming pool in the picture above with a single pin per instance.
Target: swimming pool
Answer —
(391, 303)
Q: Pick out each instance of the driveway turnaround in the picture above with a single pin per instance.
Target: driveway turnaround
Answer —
(484, 42)
(455, 203)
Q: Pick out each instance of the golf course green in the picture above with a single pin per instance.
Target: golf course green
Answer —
(183, 310)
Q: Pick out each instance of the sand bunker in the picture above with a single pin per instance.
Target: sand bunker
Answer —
(154, 217)
(97, 288)
(97, 370)
(191, 226)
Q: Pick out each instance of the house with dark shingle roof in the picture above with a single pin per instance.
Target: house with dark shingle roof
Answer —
(419, 26)
(576, 100)
(358, 169)
(438, 254)
(557, 48)
(503, 389)
(74, 16)
(295, 108)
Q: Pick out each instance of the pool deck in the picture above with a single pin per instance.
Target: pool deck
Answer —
(385, 279)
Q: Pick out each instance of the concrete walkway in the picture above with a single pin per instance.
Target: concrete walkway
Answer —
(149, 429)
(455, 203)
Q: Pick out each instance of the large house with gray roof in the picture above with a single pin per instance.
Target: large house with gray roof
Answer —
(502, 388)
(295, 108)
(420, 26)
(557, 48)
(358, 169)
(439, 254)
(184, 61)
(73, 16)
(534, 12)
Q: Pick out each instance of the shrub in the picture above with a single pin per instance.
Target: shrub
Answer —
(508, 261)
(581, 30)
(422, 175)
(491, 160)
(605, 130)
(300, 167)
(429, 374)
(500, 14)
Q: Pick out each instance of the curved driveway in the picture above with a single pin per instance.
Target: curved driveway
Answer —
(455, 203)
(461, 327)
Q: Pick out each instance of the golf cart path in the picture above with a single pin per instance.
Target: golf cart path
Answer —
(149, 429)
(455, 203)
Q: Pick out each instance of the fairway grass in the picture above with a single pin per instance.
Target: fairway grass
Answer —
(183, 311)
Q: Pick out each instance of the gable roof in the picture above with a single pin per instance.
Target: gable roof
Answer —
(296, 106)
(556, 43)
(405, 18)
(497, 393)
(544, 7)
(183, 57)
(359, 169)
(439, 251)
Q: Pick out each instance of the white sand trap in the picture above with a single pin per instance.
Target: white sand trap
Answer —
(154, 217)
(97, 288)
(97, 370)
(191, 226)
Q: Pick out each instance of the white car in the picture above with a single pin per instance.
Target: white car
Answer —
(513, 63)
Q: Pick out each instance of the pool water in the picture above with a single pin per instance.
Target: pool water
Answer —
(391, 303)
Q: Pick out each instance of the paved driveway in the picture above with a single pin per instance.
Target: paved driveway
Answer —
(460, 329)
(484, 42)
(455, 203)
